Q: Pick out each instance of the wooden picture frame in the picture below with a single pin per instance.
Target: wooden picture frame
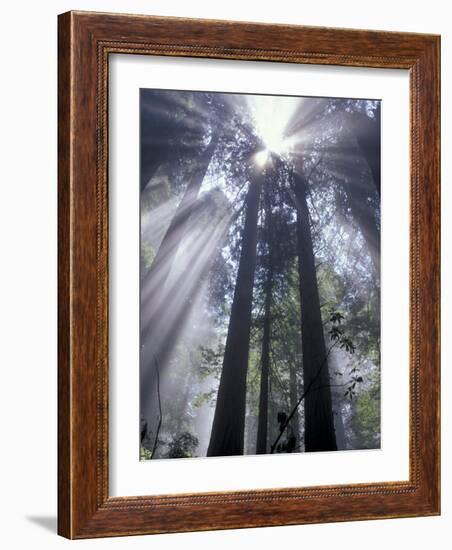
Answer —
(85, 42)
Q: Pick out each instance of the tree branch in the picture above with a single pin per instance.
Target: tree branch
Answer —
(303, 395)
(159, 425)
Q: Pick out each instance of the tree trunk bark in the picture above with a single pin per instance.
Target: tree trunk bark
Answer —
(365, 218)
(262, 424)
(319, 423)
(340, 430)
(227, 436)
(368, 136)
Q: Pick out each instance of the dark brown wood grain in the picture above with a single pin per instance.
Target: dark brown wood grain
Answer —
(64, 295)
(85, 42)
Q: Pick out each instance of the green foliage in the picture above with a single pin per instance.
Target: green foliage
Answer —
(157, 192)
(355, 379)
(145, 454)
(337, 333)
(331, 286)
(147, 254)
(204, 398)
(211, 360)
(336, 317)
(366, 419)
(183, 446)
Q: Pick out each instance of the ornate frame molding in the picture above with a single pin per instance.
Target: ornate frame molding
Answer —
(85, 42)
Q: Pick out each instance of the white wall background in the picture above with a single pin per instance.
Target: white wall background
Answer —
(28, 271)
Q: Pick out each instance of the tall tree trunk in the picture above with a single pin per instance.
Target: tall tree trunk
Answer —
(365, 218)
(155, 291)
(227, 436)
(367, 132)
(262, 424)
(319, 424)
(340, 430)
(368, 136)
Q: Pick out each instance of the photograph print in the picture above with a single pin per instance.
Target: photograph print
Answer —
(259, 274)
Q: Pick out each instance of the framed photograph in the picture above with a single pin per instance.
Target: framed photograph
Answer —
(248, 275)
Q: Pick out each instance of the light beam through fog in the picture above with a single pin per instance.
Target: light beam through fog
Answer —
(310, 166)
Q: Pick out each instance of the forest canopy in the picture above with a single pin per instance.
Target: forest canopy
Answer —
(260, 274)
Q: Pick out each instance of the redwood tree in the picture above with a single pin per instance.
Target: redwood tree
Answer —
(262, 423)
(227, 436)
(318, 413)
